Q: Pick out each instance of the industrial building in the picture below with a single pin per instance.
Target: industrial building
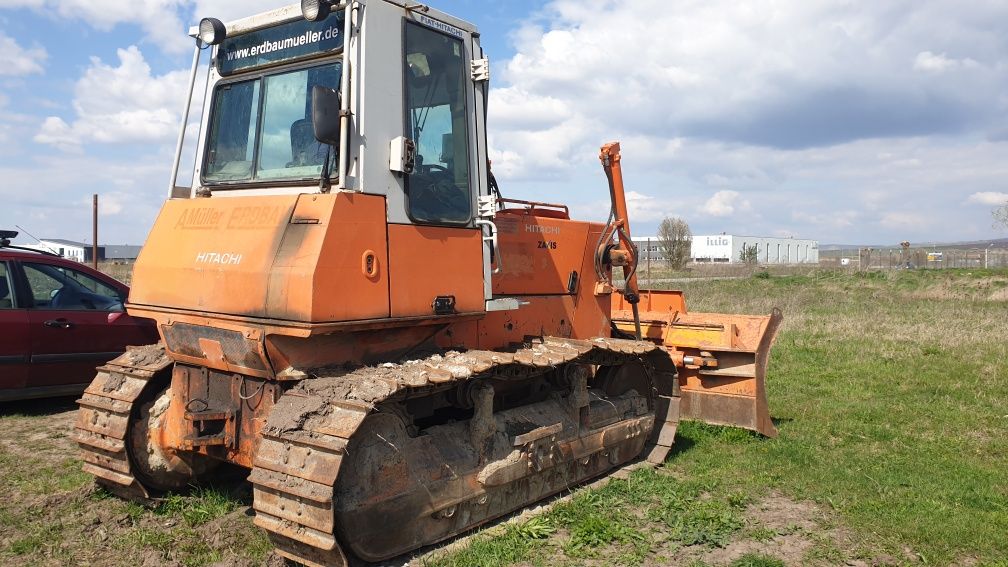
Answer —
(81, 252)
(649, 247)
(68, 249)
(728, 249)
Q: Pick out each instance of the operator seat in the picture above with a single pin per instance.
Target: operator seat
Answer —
(304, 146)
(5, 297)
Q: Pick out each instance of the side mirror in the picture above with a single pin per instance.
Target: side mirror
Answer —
(326, 114)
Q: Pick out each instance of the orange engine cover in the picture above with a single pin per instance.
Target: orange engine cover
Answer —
(539, 254)
(289, 258)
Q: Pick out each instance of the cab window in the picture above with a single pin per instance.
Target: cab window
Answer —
(6, 288)
(57, 287)
(261, 129)
(437, 122)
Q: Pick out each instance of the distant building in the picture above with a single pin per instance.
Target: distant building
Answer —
(81, 252)
(121, 252)
(66, 248)
(727, 248)
(649, 247)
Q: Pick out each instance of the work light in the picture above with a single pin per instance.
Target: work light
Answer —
(315, 10)
(212, 31)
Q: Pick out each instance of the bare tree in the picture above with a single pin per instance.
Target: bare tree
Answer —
(749, 255)
(675, 240)
(1001, 216)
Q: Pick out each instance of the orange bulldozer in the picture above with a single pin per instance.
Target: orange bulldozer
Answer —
(349, 309)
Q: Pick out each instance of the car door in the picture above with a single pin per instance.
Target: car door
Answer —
(77, 323)
(14, 336)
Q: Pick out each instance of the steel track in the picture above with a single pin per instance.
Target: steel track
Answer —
(306, 437)
(103, 420)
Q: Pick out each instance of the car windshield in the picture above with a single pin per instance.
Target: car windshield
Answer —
(261, 129)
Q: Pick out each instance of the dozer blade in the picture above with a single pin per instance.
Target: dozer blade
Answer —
(721, 359)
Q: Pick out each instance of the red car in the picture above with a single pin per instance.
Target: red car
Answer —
(58, 320)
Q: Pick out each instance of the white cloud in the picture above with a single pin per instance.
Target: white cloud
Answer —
(160, 19)
(123, 103)
(724, 203)
(18, 60)
(226, 10)
(830, 118)
(56, 132)
(937, 63)
(164, 22)
(516, 109)
(109, 204)
(818, 119)
(904, 220)
(990, 198)
(52, 198)
(21, 3)
(646, 208)
(785, 75)
(838, 219)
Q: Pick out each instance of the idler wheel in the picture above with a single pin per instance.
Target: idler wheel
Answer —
(156, 467)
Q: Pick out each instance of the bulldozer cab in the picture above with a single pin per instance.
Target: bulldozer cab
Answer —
(257, 107)
(412, 134)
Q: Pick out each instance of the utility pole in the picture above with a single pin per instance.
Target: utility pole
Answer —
(94, 233)
(649, 263)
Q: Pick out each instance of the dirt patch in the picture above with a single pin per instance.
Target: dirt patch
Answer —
(793, 532)
(999, 295)
(787, 530)
(53, 514)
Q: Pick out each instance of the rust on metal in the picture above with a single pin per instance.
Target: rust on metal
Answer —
(338, 461)
(722, 359)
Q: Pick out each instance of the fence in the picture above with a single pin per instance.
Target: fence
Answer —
(929, 258)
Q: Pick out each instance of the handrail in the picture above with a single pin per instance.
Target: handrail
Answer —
(532, 205)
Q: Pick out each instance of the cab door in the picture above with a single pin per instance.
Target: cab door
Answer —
(14, 335)
(436, 257)
(77, 323)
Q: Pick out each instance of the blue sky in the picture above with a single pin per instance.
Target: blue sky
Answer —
(843, 122)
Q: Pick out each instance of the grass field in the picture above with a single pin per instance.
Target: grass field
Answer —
(890, 391)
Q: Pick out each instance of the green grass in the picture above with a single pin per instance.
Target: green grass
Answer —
(617, 522)
(200, 507)
(757, 560)
(889, 391)
(180, 533)
(889, 404)
(54, 529)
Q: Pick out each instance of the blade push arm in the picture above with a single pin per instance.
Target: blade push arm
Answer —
(624, 252)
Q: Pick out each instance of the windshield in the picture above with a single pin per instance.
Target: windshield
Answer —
(261, 129)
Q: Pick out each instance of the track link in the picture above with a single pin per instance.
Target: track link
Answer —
(306, 436)
(103, 419)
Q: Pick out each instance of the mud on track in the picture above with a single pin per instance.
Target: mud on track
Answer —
(52, 514)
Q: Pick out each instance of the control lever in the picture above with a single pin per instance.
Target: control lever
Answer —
(58, 323)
